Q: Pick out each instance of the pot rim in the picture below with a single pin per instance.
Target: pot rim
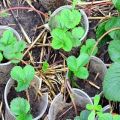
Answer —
(6, 100)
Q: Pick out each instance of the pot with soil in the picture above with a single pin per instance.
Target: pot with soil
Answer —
(93, 84)
(61, 109)
(68, 27)
(5, 64)
(28, 95)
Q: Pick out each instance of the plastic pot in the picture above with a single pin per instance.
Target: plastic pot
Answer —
(6, 67)
(43, 103)
(85, 21)
(96, 65)
(58, 103)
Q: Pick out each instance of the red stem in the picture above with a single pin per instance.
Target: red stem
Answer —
(24, 8)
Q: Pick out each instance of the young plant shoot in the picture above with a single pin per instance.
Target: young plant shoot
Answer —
(95, 108)
(20, 107)
(88, 47)
(77, 65)
(45, 66)
(66, 29)
(10, 48)
(23, 76)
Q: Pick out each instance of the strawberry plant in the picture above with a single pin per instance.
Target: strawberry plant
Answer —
(20, 107)
(67, 29)
(111, 87)
(10, 48)
(95, 108)
(23, 76)
(45, 66)
(77, 65)
(88, 47)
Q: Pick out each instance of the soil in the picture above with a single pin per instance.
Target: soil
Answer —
(86, 87)
(34, 102)
(68, 113)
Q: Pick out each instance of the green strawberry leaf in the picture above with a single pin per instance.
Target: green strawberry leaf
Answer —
(112, 23)
(82, 73)
(78, 32)
(88, 48)
(114, 50)
(19, 106)
(1, 57)
(61, 40)
(72, 63)
(116, 4)
(70, 18)
(23, 76)
(91, 115)
(111, 83)
(82, 60)
(24, 117)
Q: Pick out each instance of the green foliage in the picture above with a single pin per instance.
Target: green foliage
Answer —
(1, 57)
(61, 40)
(114, 50)
(22, 76)
(112, 23)
(20, 107)
(100, 31)
(14, 52)
(88, 48)
(108, 116)
(116, 4)
(66, 29)
(10, 48)
(95, 108)
(69, 18)
(111, 83)
(45, 66)
(76, 65)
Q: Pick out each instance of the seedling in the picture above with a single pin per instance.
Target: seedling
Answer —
(88, 47)
(10, 48)
(45, 66)
(23, 76)
(67, 29)
(20, 107)
(76, 65)
(95, 108)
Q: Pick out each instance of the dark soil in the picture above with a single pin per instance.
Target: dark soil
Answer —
(34, 102)
(67, 113)
(85, 86)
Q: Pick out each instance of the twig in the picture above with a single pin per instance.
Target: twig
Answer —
(34, 42)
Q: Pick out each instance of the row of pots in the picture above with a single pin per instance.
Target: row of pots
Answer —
(81, 98)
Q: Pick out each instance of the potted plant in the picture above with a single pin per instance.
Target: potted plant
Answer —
(23, 88)
(60, 106)
(68, 27)
(11, 48)
(87, 71)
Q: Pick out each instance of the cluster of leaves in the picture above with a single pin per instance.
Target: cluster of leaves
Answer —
(95, 108)
(20, 107)
(116, 4)
(112, 76)
(65, 31)
(23, 76)
(77, 65)
(10, 48)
